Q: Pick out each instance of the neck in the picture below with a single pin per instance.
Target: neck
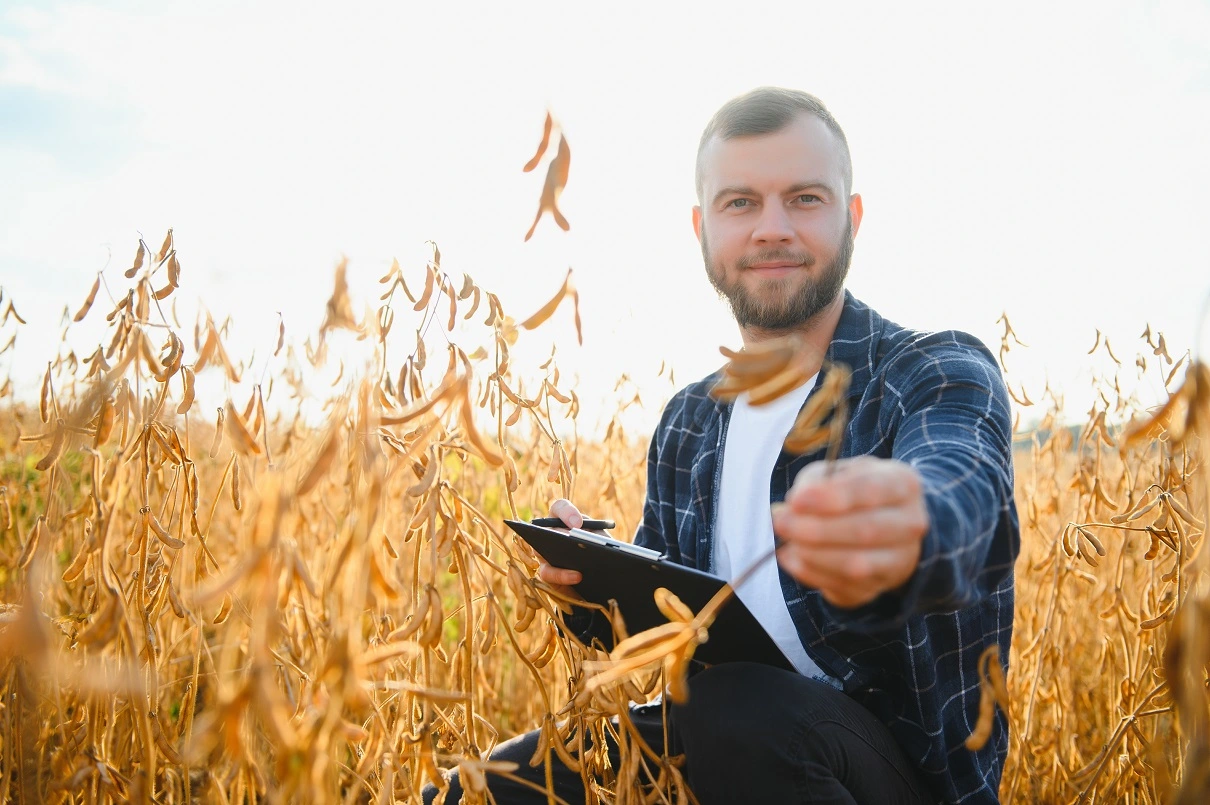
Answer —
(817, 331)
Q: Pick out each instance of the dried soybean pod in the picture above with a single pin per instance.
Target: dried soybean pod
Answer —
(487, 452)
(487, 624)
(421, 355)
(163, 536)
(139, 535)
(142, 304)
(516, 581)
(1182, 512)
(554, 392)
(678, 682)
(779, 385)
(165, 247)
(427, 294)
(983, 728)
(638, 643)
(542, 657)
(992, 689)
(561, 749)
(474, 303)
(138, 261)
(529, 611)
(1137, 512)
(56, 448)
(1154, 550)
(436, 619)
(543, 747)
(453, 318)
(672, 606)
(414, 623)
(44, 396)
(493, 309)
(547, 310)
(78, 564)
(223, 611)
(1093, 540)
(426, 480)
(235, 483)
(31, 545)
(547, 125)
(187, 380)
(244, 441)
(105, 420)
(218, 433)
(104, 627)
(92, 295)
(468, 287)
(163, 293)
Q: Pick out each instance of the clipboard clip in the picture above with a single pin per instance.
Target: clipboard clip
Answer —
(624, 547)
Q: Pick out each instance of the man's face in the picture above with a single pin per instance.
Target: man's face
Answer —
(775, 225)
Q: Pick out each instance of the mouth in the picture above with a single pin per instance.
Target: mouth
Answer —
(775, 269)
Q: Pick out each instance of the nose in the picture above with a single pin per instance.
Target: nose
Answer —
(773, 225)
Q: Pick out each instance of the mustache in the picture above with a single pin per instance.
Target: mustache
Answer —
(776, 256)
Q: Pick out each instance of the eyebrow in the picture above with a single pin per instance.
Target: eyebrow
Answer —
(744, 190)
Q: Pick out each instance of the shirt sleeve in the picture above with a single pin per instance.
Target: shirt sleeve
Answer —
(657, 529)
(954, 427)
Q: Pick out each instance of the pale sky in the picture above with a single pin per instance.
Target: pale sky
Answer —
(1047, 159)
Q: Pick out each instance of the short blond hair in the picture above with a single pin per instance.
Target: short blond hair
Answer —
(766, 110)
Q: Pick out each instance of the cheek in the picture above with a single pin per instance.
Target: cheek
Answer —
(724, 238)
(829, 233)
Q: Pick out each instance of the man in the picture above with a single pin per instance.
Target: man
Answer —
(896, 568)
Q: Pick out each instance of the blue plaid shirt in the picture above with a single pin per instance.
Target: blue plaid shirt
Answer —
(936, 401)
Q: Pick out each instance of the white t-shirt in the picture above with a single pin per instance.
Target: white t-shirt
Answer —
(743, 531)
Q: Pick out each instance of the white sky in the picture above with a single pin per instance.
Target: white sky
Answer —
(1045, 159)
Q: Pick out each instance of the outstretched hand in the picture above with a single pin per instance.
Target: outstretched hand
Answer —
(852, 529)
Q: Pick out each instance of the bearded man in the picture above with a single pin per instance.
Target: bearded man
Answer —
(896, 566)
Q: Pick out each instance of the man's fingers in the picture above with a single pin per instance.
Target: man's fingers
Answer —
(865, 528)
(855, 484)
(558, 575)
(850, 578)
(835, 591)
(566, 511)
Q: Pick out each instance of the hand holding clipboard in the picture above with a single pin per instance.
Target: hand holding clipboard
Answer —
(566, 515)
(605, 571)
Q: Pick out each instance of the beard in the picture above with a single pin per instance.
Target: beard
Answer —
(785, 307)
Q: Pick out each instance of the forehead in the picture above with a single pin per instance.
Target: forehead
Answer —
(803, 150)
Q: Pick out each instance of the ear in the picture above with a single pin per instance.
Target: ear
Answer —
(855, 211)
(697, 223)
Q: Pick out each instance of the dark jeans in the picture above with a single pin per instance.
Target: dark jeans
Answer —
(751, 733)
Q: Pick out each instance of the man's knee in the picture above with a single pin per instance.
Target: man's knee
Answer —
(745, 709)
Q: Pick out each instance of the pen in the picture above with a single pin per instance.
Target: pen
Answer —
(589, 525)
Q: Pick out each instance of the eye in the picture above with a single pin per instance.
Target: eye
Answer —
(809, 198)
(737, 203)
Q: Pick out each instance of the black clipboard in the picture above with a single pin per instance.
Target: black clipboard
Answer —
(629, 574)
